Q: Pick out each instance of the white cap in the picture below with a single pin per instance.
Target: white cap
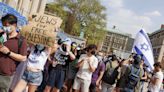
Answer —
(67, 41)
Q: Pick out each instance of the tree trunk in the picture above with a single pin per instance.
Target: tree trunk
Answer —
(69, 23)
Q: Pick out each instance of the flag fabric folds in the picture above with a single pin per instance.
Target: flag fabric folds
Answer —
(142, 45)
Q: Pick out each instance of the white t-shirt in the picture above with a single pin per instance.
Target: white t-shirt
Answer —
(84, 72)
(156, 88)
(37, 61)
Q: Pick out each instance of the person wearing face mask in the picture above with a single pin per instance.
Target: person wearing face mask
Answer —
(10, 52)
(60, 61)
(32, 75)
(98, 74)
(87, 64)
(72, 69)
(129, 80)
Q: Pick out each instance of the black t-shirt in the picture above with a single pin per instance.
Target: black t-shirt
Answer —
(62, 58)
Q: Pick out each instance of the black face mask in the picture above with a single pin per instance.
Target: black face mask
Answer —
(93, 52)
(64, 48)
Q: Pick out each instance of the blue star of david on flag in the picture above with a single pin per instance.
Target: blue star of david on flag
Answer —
(144, 46)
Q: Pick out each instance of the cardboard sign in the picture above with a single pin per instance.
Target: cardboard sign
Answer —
(41, 30)
(46, 20)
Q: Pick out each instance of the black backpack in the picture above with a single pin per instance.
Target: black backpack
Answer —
(110, 75)
(20, 41)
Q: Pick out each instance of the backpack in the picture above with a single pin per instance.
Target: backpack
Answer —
(20, 41)
(110, 75)
(133, 77)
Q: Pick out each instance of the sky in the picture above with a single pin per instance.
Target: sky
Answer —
(130, 16)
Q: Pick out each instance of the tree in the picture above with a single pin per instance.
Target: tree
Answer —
(76, 12)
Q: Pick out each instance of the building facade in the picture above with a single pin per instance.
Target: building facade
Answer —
(27, 7)
(157, 40)
(117, 42)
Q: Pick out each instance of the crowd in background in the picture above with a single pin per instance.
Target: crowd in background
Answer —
(69, 67)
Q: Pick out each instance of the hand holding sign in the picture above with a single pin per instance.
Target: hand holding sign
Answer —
(41, 29)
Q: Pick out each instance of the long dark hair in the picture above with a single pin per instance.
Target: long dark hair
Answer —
(36, 49)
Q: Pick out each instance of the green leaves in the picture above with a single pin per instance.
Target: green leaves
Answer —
(76, 12)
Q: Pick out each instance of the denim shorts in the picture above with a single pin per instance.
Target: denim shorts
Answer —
(33, 78)
(56, 78)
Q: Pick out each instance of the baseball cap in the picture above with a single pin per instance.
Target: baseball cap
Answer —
(67, 41)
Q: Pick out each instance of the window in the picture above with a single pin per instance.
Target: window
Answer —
(158, 50)
(154, 51)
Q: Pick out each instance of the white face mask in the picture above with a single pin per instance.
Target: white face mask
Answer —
(7, 29)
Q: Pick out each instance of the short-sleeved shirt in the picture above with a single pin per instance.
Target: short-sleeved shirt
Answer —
(84, 72)
(156, 88)
(61, 57)
(37, 60)
(7, 64)
(100, 68)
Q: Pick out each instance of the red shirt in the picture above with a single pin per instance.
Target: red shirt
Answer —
(7, 64)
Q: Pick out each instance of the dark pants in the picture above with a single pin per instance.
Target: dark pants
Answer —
(5, 82)
(92, 87)
(56, 78)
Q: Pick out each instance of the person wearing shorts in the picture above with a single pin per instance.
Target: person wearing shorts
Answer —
(32, 75)
(59, 66)
(87, 64)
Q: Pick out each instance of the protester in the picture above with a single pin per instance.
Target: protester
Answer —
(72, 69)
(35, 65)
(98, 74)
(110, 75)
(131, 77)
(47, 67)
(59, 65)
(11, 53)
(156, 79)
(87, 64)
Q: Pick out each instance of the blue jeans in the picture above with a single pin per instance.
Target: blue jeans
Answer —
(33, 78)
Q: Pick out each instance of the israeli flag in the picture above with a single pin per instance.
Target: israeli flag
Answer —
(142, 45)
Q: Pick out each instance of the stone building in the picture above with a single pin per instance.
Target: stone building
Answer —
(118, 42)
(26, 7)
(157, 40)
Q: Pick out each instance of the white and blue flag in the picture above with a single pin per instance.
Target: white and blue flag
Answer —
(142, 45)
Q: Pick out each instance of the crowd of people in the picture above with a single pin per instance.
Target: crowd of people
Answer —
(68, 67)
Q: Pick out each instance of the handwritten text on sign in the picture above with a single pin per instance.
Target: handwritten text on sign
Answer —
(41, 30)
(47, 21)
